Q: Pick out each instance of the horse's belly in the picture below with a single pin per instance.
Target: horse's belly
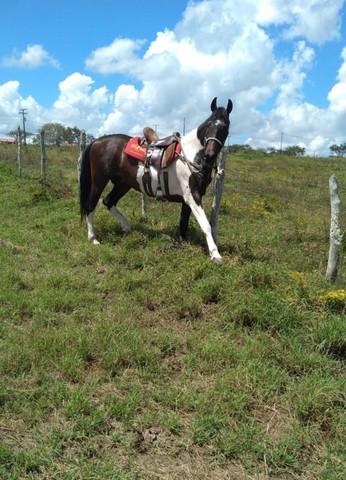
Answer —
(159, 183)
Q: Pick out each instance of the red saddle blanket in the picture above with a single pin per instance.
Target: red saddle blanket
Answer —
(133, 148)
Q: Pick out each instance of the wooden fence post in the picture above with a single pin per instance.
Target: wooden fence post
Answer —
(43, 156)
(82, 142)
(335, 230)
(19, 151)
(82, 147)
(218, 187)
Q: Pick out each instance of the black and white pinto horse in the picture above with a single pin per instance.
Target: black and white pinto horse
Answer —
(104, 160)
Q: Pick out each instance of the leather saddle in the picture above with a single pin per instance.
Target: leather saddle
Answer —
(161, 152)
(157, 153)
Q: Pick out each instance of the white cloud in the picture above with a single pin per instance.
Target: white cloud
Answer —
(337, 95)
(223, 48)
(316, 20)
(78, 104)
(33, 57)
(11, 101)
(118, 57)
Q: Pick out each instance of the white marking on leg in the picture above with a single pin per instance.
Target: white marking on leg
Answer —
(90, 226)
(203, 222)
(121, 219)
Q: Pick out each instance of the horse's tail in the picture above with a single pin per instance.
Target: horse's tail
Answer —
(84, 182)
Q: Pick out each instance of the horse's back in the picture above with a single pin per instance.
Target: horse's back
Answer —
(106, 151)
(108, 159)
(115, 143)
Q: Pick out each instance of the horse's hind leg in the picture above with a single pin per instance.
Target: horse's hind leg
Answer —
(111, 200)
(94, 197)
(90, 226)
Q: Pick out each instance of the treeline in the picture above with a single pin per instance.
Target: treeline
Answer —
(292, 150)
(56, 134)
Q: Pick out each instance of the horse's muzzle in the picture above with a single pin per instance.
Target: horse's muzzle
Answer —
(211, 150)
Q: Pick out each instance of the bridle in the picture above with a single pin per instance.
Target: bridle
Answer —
(192, 166)
(206, 140)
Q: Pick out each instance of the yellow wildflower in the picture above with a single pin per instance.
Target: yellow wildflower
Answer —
(335, 300)
(334, 296)
(298, 276)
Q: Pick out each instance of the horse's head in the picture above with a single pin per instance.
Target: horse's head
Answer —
(214, 131)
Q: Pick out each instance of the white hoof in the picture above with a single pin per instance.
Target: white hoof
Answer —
(95, 242)
(216, 260)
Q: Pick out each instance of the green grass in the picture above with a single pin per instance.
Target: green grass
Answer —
(141, 359)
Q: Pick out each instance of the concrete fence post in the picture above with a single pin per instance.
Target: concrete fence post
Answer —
(43, 156)
(335, 243)
(218, 188)
(19, 151)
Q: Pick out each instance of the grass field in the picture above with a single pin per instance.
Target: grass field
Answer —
(140, 359)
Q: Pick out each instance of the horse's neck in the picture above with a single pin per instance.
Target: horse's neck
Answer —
(191, 145)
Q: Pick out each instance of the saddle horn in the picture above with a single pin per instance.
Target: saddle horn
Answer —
(229, 106)
(213, 105)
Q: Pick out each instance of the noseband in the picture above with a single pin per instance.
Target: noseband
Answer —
(206, 140)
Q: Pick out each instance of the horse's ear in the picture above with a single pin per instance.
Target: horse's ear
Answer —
(229, 106)
(213, 104)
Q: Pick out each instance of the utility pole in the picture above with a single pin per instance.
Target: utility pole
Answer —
(184, 125)
(23, 112)
(281, 139)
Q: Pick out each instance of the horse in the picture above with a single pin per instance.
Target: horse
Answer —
(187, 178)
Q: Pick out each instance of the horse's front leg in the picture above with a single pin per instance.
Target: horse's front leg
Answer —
(203, 222)
(184, 220)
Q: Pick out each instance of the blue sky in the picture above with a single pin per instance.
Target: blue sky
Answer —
(114, 66)
(70, 30)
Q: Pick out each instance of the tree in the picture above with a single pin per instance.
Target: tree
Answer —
(54, 134)
(239, 148)
(72, 135)
(12, 133)
(89, 138)
(295, 151)
(338, 150)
